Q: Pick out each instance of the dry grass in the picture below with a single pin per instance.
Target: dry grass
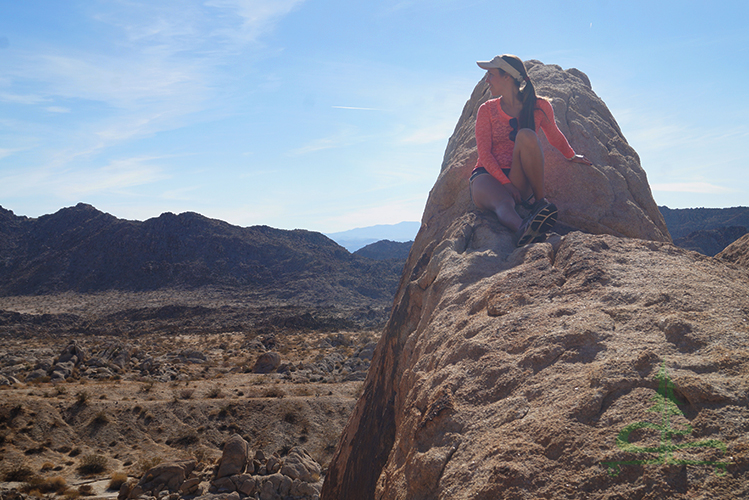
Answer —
(117, 480)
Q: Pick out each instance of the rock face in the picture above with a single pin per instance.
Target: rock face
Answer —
(588, 366)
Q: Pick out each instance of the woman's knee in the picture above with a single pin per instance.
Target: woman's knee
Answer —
(527, 138)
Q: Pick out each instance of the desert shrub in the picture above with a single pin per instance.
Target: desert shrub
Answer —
(101, 418)
(186, 393)
(74, 452)
(117, 480)
(71, 494)
(187, 438)
(274, 392)
(86, 490)
(17, 473)
(38, 484)
(81, 398)
(92, 464)
(47, 466)
(144, 465)
(215, 392)
(147, 386)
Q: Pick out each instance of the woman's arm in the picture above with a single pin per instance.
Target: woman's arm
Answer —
(553, 134)
(484, 145)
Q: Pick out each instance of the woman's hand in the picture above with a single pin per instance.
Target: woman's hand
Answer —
(581, 159)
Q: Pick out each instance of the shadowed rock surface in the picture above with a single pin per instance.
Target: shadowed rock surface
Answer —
(509, 373)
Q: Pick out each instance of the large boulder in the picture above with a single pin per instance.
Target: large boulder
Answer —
(610, 197)
(167, 476)
(234, 457)
(267, 362)
(588, 366)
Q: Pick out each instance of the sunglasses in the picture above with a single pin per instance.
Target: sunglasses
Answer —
(514, 131)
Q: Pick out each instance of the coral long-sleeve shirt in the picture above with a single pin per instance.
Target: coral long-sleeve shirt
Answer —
(493, 136)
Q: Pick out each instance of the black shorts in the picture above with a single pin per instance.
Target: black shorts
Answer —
(481, 170)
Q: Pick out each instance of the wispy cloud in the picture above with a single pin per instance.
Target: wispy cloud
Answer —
(255, 17)
(345, 137)
(355, 108)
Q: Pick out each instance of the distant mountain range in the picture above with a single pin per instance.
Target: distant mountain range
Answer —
(706, 230)
(354, 239)
(82, 249)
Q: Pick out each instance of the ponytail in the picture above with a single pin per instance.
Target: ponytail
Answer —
(526, 93)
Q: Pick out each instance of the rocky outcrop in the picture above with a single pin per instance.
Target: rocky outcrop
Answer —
(610, 197)
(737, 252)
(237, 476)
(588, 366)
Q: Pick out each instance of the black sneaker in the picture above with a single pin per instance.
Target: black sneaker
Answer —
(541, 219)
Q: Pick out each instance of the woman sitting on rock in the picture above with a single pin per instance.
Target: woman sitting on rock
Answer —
(510, 168)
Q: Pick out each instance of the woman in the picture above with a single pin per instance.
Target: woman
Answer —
(510, 167)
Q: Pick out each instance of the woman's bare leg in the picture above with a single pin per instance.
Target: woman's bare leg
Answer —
(527, 171)
(490, 194)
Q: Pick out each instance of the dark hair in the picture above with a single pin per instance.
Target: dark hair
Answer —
(526, 94)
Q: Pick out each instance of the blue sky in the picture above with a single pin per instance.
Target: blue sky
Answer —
(329, 114)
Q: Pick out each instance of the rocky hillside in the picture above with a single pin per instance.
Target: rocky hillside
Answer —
(706, 230)
(683, 221)
(386, 250)
(84, 250)
(604, 363)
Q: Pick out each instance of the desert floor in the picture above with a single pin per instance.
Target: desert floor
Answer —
(164, 377)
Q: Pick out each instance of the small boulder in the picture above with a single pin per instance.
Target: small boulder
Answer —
(267, 362)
